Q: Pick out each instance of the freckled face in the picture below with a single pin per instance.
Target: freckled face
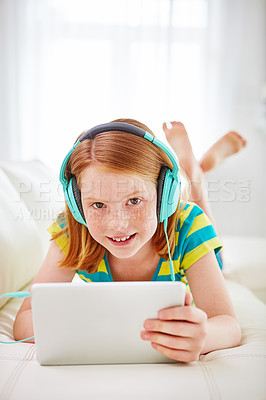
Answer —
(120, 210)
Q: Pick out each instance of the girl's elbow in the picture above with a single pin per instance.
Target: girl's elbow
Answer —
(237, 333)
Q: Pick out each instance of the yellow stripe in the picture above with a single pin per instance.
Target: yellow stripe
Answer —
(63, 240)
(199, 222)
(184, 214)
(200, 251)
(54, 228)
(184, 280)
(84, 278)
(102, 267)
(176, 238)
(165, 267)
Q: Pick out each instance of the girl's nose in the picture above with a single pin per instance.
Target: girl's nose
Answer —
(118, 220)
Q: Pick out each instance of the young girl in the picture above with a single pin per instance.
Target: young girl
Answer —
(123, 240)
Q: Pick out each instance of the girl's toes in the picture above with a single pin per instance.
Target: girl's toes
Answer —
(164, 126)
(178, 124)
(240, 138)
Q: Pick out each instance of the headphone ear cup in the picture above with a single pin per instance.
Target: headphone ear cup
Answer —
(160, 186)
(77, 197)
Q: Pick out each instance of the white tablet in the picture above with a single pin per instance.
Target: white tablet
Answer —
(99, 323)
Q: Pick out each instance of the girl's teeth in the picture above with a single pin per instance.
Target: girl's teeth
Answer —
(121, 239)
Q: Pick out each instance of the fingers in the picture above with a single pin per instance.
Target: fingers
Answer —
(176, 328)
(169, 341)
(179, 333)
(188, 324)
(188, 299)
(183, 313)
(178, 355)
(177, 348)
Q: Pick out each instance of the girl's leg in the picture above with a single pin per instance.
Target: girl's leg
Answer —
(178, 138)
(228, 145)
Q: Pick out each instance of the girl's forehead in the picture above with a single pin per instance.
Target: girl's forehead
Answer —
(98, 182)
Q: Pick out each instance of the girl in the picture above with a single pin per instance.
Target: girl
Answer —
(123, 240)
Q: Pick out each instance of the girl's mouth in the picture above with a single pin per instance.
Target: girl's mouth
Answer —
(122, 241)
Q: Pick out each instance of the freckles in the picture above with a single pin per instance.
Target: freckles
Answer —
(139, 216)
(146, 216)
(146, 222)
(92, 219)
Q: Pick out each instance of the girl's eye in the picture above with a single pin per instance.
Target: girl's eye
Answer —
(134, 202)
(98, 205)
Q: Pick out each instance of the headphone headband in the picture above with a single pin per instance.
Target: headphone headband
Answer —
(112, 126)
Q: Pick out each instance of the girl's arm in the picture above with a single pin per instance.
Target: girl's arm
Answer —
(210, 294)
(183, 333)
(49, 272)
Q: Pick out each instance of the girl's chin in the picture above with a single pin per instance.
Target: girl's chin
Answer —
(121, 252)
(127, 251)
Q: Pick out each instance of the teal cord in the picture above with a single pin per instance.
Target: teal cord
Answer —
(169, 252)
(17, 341)
(16, 294)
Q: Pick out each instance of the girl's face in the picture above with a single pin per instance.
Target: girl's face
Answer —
(120, 210)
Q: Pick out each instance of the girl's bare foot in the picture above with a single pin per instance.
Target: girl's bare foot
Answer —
(229, 144)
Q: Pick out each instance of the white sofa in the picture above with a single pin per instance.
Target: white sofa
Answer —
(29, 200)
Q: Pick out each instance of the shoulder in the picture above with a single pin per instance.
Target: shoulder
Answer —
(195, 235)
(58, 225)
(59, 232)
(191, 215)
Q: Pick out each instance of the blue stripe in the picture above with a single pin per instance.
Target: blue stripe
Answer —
(219, 258)
(199, 237)
(178, 277)
(195, 212)
(95, 277)
(110, 278)
(62, 221)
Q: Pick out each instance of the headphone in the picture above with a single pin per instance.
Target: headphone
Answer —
(168, 184)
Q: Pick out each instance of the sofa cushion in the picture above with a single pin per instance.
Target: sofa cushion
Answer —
(29, 201)
(17, 234)
(245, 262)
(38, 187)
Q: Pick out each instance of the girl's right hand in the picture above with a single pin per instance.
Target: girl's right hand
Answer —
(179, 333)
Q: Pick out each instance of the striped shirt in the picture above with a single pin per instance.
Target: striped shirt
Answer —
(194, 237)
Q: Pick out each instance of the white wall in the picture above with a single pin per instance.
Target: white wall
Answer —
(237, 190)
(236, 210)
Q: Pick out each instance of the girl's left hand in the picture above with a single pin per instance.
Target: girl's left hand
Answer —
(179, 333)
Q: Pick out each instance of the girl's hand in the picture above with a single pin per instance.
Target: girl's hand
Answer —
(179, 333)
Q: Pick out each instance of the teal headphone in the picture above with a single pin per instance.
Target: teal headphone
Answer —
(168, 184)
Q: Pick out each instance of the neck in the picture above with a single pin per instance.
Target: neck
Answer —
(140, 267)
